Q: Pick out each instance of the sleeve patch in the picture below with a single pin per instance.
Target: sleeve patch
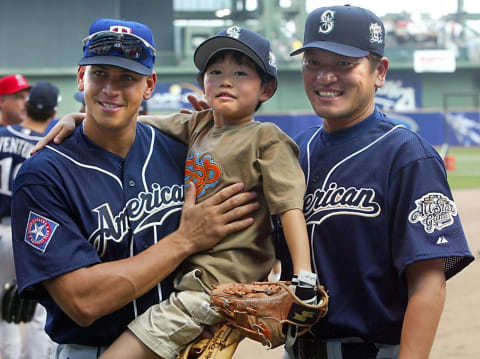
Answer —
(433, 211)
(39, 231)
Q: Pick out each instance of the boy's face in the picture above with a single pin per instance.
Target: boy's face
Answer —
(341, 89)
(234, 90)
(113, 95)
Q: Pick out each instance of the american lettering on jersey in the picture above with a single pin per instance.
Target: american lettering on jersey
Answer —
(322, 204)
(148, 209)
(203, 171)
(39, 231)
(433, 211)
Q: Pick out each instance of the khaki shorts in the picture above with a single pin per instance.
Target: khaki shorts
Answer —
(167, 328)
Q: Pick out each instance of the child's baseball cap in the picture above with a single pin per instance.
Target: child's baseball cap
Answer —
(239, 39)
(121, 43)
(44, 96)
(345, 30)
(12, 84)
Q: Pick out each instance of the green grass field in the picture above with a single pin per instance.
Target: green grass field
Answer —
(467, 167)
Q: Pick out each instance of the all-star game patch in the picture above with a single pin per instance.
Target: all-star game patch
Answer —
(39, 231)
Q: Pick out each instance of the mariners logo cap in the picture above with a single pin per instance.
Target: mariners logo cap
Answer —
(345, 30)
(12, 84)
(121, 43)
(44, 96)
(239, 39)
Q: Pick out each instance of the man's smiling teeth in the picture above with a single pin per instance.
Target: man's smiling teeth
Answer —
(107, 105)
(329, 93)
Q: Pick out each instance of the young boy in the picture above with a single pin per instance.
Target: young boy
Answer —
(225, 145)
(237, 73)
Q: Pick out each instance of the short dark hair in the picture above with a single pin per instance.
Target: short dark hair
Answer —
(240, 58)
(374, 60)
(38, 115)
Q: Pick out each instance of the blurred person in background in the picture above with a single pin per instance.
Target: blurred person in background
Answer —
(16, 141)
(13, 96)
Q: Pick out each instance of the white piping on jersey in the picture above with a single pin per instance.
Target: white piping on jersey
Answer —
(134, 302)
(22, 135)
(147, 161)
(312, 252)
(356, 153)
(87, 166)
(155, 234)
(308, 152)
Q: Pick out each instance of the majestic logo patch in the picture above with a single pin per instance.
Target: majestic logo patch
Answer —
(233, 31)
(203, 172)
(434, 211)
(39, 231)
(327, 21)
(375, 33)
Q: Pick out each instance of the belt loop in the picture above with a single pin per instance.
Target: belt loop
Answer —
(334, 349)
(387, 351)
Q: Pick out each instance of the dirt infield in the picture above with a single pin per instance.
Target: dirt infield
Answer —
(459, 327)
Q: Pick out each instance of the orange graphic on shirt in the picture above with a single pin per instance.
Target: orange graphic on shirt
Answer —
(203, 171)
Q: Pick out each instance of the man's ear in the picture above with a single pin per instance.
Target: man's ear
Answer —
(151, 83)
(268, 89)
(80, 77)
(382, 68)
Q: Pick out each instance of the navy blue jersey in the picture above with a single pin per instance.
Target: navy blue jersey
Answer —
(377, 200)
(76, 205)
(16, 142)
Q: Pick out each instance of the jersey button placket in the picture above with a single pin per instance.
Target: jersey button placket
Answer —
(131, 183)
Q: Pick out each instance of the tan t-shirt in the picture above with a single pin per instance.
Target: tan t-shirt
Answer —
(257, 154)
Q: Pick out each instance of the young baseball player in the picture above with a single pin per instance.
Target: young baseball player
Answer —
(16, 141)
(225, 145)
(377, 196)
(13, 95)
(237, 73)
(95, 220)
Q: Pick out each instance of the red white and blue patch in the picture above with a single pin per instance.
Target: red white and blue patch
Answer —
(39, 231)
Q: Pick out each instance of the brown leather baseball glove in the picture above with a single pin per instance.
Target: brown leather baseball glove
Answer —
(262, 311)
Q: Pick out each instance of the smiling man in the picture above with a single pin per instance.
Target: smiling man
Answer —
(95, 219)
(384, 230)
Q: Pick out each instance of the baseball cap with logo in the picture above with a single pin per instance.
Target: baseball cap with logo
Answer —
(126, 44)
(43, 96)
(345, 30)
(13, 83)
(239, 39)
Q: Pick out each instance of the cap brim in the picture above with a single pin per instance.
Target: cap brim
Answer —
(210, 47)
(18, 89)
(334, 47)
(118, 61)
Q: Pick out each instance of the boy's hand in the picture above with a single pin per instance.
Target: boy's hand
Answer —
(198, 105)
(63, 129)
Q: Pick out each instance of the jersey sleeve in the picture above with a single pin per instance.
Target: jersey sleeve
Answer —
(179, 126)
(47, 241)
(425, 223)
(283, 181)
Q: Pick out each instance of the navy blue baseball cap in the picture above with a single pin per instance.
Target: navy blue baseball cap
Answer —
(126, 44)
(44, 96)
(239, 39)
(345, 30)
